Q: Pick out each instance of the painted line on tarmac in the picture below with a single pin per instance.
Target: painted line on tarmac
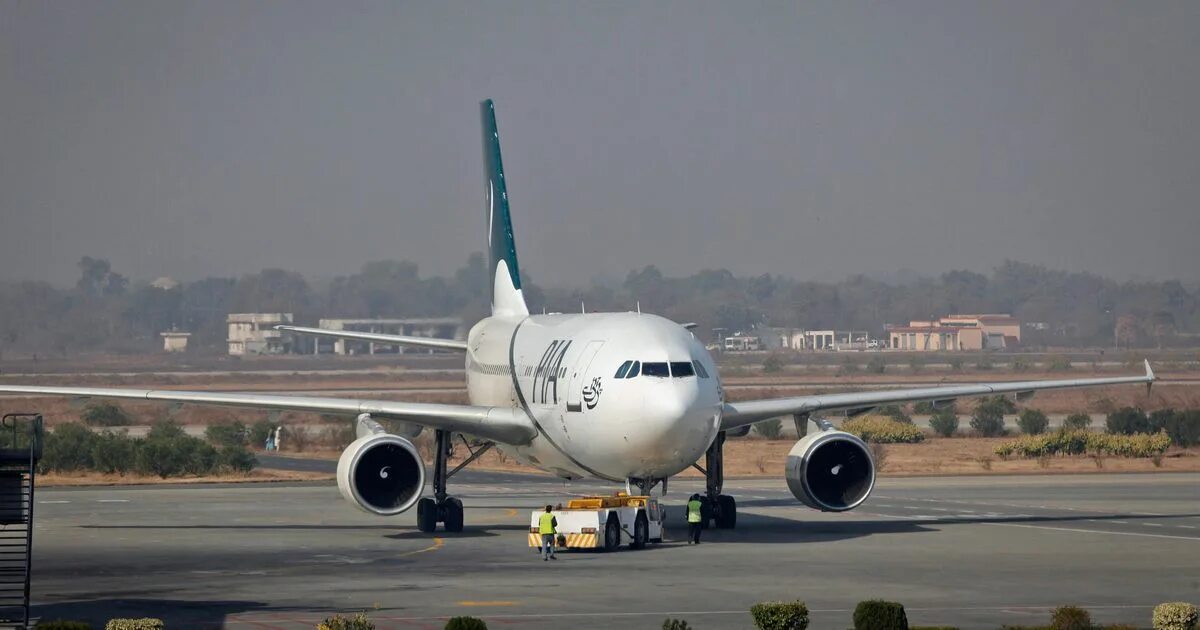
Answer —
(437, 544)
(53, 501)
(112, 500)
(1092, 531)
(486, 604)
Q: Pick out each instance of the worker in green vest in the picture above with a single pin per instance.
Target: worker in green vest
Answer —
(693, 512)
(548, 528)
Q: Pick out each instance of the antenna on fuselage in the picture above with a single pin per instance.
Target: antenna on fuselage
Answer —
(582, 307)
(639, 307)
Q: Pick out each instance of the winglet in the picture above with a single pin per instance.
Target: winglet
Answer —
(1150, 377)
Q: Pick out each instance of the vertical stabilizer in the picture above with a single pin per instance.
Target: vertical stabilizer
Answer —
(507, 298)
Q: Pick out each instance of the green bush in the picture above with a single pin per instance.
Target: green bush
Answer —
(227, 434)
(1182, 426)
(167, 429)
(1077, 422)
(876, 614)
(924, 408)
(146, 623)
(1176, 616)
(259, 432)
(883, 430)
(67, 448)
(175, 456)
(1080, 442)
(988, 418)
(114, 452)
(1059, 364)
(895, 412)
(466, 623)
(60, 624)
(675, 624)
(105, 414)
(237, 459)
(770, 429)
(1070, 618)
(876, 365)
(1033, 422)
(1127, 421)
(780, 615)
(944, 422)
(773, 364)
(338, 622)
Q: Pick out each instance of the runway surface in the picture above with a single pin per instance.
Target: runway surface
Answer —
(975, 552)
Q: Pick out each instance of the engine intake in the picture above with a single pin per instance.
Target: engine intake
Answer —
(382, 474)
(831, 471)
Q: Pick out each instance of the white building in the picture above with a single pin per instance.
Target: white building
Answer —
(440, 327)
(175, 341)
(254, 333)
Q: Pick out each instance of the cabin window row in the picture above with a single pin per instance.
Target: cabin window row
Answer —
(676, 369)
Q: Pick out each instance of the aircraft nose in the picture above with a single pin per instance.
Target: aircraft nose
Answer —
(674, 421)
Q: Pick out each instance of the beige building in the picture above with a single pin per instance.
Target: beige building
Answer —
(254, 333)
(957, 332)
(175, 341)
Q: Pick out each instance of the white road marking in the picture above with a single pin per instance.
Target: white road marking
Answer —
(53, 501)
(112, 500)
(1092, 531)
(1187, 526)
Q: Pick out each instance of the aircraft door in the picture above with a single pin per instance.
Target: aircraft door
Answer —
(575, 384)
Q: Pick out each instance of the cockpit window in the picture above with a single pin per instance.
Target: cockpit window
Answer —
(633, 371)
(680, 369)
(656, 369)
(621, 371)
(700, 371)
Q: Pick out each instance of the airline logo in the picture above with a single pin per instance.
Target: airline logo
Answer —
(591, 393)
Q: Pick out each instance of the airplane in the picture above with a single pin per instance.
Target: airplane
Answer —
(629, 398)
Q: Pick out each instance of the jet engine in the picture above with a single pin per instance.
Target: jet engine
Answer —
(831, 471)
(381, 473)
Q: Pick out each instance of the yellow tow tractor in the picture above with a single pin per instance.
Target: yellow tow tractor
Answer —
(604, 522)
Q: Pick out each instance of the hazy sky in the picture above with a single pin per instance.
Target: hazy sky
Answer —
(808, 139)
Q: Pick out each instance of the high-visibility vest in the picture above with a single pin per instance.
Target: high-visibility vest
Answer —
(694, 511)
(546, 523)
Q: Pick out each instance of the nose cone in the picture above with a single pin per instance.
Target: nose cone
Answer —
(675, 427)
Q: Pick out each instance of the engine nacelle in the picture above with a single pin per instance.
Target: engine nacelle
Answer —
(382, 474)
(831, 471)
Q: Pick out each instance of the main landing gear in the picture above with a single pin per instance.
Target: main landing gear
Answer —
(716, 509)
(443, 508)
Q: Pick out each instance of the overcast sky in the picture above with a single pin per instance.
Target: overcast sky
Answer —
(217, 138)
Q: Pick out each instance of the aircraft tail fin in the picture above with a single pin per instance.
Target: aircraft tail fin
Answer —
(507, 298)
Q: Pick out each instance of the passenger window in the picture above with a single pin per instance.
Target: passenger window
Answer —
(680, 369)
(623, 369)
(656, 369)
(700, 368)
(633, 371)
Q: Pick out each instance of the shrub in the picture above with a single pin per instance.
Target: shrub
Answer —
(1079, 442)
(357, 622)
(227, 434)
(772, 364)
(675, 624)
(259, 431)
(1059, 364)
(105, 414)
(339, 436)
(67, 448)
(1032, 422)
(988, 418)
(1176, 616)
(146, 623)
(895, 412)
(944, 422)
(1070, 618)
(770, 429)
(1077, 422)
(876, 614)
(883, 430)
(1003, 403)
(167, 429)
(1020, 364)
(1182, 426)
(924, 408)
(465, 623)
(60, 624)
(236, 459)
(780, 615)
(876, 365)
(114, 452)
(175, 456)
(1127, 421)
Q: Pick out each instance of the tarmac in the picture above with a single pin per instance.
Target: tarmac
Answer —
(973, 552)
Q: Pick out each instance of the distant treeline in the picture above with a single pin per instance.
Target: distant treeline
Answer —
(103, 312)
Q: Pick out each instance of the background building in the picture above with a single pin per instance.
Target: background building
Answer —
(254, 333)
(174, 341)
(957, 332)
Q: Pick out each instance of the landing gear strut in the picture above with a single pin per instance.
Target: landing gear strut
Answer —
(721, 509)
(443, 508)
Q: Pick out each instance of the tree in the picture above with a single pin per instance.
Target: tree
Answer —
(988, 418)
(1077, 422)
(1032, 422)
(944, 422)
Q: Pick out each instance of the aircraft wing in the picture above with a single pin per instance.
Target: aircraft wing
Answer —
(739, 414)
(401, 340)
(501, 424)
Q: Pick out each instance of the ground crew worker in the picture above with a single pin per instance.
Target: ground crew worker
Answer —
(548, 528)
(693, 512)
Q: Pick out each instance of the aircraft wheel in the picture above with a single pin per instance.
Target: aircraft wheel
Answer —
(726, 512)
(453, 515)
(612, 534)
(427, 515)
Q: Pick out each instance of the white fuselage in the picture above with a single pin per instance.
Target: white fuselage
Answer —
(561, 370)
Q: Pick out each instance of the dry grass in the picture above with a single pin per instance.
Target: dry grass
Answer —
(100, 479)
